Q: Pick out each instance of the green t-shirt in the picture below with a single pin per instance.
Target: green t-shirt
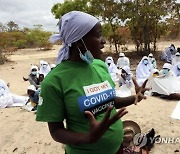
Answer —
(70, 89)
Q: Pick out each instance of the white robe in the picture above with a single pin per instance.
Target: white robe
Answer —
(8, 99)
(125, 85)
(165, 85)
(142, 71)
(152, 62)
(44, 69)
(175, 60)
(112, 68)
(123, 61)
(168, 55)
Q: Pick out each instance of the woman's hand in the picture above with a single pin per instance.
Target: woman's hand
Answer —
(140, 92)
(97, 129)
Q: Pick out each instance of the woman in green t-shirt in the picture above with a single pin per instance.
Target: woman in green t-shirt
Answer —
(81, 91)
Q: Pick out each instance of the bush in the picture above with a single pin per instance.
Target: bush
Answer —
(3, 58)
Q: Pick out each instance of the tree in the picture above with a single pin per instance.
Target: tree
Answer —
(2, 27)
(60, 9)
(12, 26)
(108, 11)
(146, 20)
(38, 38)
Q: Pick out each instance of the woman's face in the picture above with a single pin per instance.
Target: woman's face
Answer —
(94, 41)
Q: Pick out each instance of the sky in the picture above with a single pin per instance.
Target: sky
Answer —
(27, 13)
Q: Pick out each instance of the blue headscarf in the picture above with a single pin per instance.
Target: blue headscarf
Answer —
(72, 27)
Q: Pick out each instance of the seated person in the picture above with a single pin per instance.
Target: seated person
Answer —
(112, 68)
(33, 77)
(176, 69)
(44, 68)
(8, 99)
(178, 50)
(125, 83)
(143, 70)
(166, 84)
(176, 59)
(41, 78)
(152, 61)
(33, 96)
(122, 61)
(168, 54)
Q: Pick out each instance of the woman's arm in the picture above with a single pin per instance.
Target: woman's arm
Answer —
(120, 102)
(62, 135)
(97, 129)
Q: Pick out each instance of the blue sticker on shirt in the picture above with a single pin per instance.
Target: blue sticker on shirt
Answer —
(97, 103)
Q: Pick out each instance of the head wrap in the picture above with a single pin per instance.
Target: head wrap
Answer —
(52, 65)
(177, 54)
(150, 55)
(109, 60)
(44, 69)
(32, 87)
(121, 54)
(167, 65)
(34, 67)
(72, 27)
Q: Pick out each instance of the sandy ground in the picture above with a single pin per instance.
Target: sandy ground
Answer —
(21, 134)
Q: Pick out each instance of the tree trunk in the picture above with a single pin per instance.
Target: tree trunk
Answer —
(155, 37)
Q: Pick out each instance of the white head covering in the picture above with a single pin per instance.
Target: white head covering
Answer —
(44, 70)
(150, 55)
(72, 27)
(121, 54)
(177, 54)
(33, 67)
(32, 87)
(142, 71)
(52, 65)
(109, 60)
(167, 65)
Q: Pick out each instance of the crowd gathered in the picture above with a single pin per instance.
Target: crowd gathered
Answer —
(35, 78)
(164, 82)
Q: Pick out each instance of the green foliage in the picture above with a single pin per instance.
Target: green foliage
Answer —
(60, 9)
(2, 56)
(11, 39)
(144, 19)
(12, 26)
(37, 37)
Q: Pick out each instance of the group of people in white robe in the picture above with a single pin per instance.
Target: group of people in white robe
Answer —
(165, 83)
(36, 76)
(121, 74)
